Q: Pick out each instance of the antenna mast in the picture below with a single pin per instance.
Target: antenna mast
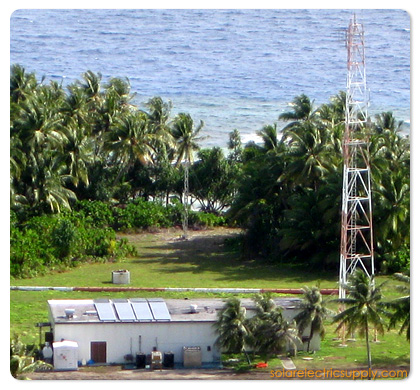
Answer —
(356, 249)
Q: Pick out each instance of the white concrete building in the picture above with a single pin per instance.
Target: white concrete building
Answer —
(106, 331)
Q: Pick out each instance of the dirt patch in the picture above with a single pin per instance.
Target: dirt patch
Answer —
(116, 373)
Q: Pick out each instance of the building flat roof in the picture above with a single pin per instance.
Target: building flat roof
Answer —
(68, 311)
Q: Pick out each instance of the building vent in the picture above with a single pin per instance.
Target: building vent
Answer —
(193, 309)
(69, 313)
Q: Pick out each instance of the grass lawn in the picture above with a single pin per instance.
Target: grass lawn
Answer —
(202, 261)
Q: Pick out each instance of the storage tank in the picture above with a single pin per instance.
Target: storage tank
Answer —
(140, 360)
(168, 360)
(65, 354)
(121, 276)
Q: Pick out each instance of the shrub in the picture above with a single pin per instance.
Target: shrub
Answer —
(141, 214)
(99, 213)
(51, 242)
(28, 253)
(63, 237)
(203, 219)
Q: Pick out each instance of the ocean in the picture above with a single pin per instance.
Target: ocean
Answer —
(231, 68)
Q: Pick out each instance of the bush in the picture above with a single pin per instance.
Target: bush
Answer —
(208, 220)
(64, 237)
(96, 242)
(99, 213)
(50, 242)
(29, 254)
(141, 214)
(397, 262)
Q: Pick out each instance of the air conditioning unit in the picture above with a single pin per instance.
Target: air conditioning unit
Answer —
(192, 356)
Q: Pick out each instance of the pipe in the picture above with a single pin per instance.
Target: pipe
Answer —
(324, 291)
(40, 288)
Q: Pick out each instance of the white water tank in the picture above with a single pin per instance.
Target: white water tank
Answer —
(65, 354)
(121, 276)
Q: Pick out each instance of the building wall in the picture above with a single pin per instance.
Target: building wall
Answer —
(315, 345)
(123, 338)
(289, 314)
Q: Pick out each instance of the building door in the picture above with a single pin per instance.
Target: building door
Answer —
(98, 351)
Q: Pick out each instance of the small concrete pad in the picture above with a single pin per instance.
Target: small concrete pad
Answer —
(288, 363)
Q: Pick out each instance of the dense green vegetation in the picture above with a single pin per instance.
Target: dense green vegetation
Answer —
(290, 193)
(364, 311)
(85, 162)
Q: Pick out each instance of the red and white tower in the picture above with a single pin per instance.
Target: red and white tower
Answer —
(356, 248)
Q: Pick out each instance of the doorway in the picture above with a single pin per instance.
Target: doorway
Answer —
(98, 351)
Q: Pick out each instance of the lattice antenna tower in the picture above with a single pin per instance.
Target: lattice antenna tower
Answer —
(356, 249)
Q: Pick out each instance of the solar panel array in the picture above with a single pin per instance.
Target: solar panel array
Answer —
(142, 309)
(124, 310)
(105, 310)
(159, 309)
(135, 309)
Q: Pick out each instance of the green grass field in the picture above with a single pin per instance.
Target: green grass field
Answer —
(201, 261)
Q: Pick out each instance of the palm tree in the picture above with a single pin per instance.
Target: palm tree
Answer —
(401, 307)
(313, 314)
(76, 108)
(269, 137)
(364, 309)
(386, 121)
(185, 137)
(389, 150)
(393, 211)
(159, 113)
(310, 154)
(77, 152)
(311, 147)
(92, 87)
(22, 84)
(232, 327)
(302, 110)
(49, 187)
(129, 140)
(115, 102)
(309, 227)
(334, 113)
(271, 333)
(158, 116)
(38, 133)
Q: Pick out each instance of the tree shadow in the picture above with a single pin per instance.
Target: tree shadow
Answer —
(201, 254)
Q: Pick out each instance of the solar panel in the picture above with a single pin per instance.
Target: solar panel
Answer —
(124, 310)
(159, 309)
(141, 309)
(105, 310)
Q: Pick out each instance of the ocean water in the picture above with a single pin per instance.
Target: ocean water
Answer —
(233, 69)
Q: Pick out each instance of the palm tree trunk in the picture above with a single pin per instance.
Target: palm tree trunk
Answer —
(369, 357)
(311, 334)
(247, 357)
